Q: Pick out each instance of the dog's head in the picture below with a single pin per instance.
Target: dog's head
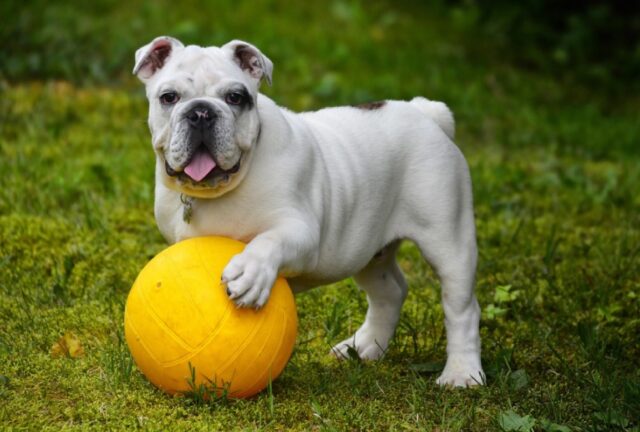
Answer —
(202, 111)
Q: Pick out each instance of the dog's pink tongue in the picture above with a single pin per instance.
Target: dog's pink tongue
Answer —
(201, 164)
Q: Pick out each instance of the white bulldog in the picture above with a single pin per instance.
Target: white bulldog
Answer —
(317, 196)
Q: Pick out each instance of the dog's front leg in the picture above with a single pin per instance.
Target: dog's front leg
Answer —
(250, 275)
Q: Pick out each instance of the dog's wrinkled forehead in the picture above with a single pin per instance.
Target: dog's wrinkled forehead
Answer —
(201, 67)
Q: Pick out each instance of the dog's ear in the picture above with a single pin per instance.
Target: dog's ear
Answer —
(250, 60)
(154, 55)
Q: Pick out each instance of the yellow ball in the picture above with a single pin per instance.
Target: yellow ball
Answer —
(179, 319)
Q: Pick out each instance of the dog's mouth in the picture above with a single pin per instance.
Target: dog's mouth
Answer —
(202, 169)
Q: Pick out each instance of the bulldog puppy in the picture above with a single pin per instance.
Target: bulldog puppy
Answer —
(317, 196)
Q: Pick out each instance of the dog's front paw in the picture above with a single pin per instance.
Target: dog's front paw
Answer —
(249, 280)
(462, 370)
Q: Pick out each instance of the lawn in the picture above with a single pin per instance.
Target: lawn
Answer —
(555, 163)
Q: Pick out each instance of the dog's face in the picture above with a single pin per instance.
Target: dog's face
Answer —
(202, 111)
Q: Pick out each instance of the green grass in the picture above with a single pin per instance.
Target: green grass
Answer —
(556, 170)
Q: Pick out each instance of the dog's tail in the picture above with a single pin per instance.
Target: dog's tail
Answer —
(438, 112)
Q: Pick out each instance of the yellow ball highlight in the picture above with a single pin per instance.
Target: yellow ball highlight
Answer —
(178, 317)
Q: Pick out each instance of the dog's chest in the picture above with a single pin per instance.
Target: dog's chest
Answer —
(179, 217)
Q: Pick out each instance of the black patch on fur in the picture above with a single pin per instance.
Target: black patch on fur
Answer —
(371, 106)
(247, 100)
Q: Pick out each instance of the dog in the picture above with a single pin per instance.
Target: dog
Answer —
(317, 196)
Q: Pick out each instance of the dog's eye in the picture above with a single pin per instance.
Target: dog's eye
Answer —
(234, 98)
(169, 98)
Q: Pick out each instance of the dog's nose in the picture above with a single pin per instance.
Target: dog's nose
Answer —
(200, 115)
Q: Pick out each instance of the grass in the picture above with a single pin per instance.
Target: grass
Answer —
(555, 167)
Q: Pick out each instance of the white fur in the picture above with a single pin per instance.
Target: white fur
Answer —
(318, 196)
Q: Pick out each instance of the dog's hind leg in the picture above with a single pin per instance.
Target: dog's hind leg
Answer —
(386, 290)
(451, 249)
